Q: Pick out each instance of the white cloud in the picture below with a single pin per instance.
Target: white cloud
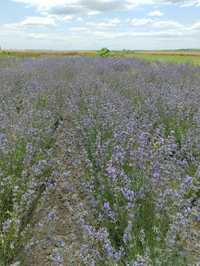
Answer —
(195, 26)
(80, 19)
(167, 24)
(93, 7)
(93, 38)
(140, 22)
(38, 36)
(33, 22)
(93, 13)
(37, 22)
(77, 6)
(155, 13)
(63, 18)
(156, 23)
(88, 32)
(79, 29)
(43, 4)
(114, 22)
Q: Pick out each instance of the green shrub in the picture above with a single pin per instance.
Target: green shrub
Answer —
(104, 52)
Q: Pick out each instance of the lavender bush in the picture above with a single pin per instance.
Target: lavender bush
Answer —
(99, 162)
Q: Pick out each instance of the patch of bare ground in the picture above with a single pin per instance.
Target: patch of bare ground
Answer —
(57, 236)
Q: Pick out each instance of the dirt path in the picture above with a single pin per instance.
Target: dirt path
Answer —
(57, 234)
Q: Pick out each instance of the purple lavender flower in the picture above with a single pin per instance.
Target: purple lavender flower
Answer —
(52, 216)
(57, 258)
(106, 205)
(188, 180)
(6, 225)
(111, 171)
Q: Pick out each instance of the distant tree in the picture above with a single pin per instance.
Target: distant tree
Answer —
(104, 52)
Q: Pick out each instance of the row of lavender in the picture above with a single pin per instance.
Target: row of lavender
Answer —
(30, 102)
(132, 131)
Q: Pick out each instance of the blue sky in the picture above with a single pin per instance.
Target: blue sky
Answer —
(92, 24)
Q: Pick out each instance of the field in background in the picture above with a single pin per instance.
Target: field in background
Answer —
(38, 53)
(173, 57)
(176, 56)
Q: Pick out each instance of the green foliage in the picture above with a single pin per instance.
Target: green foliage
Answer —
(146, 220)
(6, 53)
(42, 102)
(104, 52)
(15, 214)
(11, 166)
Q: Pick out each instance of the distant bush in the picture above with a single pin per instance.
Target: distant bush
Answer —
(104, 52)
(3, 52)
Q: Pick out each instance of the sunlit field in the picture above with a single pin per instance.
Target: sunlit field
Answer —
(99, 160)
(181, 58)
(176, 56)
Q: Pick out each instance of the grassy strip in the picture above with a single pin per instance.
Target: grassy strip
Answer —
(35, 53)
(172, 57)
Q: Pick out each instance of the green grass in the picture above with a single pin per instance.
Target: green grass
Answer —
(173, 57)
(177, 56)
(181, 59)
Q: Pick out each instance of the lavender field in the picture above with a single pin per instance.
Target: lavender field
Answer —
(99, 162)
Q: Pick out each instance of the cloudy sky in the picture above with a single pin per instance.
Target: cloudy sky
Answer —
(92, 24)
